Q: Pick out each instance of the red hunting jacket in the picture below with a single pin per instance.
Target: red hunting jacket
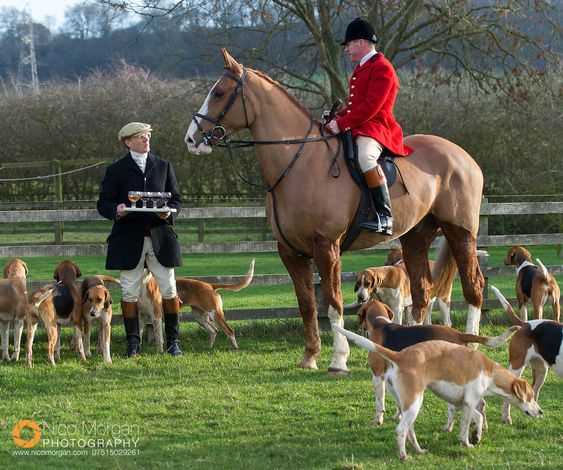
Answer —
(369, 111)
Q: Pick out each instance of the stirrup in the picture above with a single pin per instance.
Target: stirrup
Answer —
(382, 224)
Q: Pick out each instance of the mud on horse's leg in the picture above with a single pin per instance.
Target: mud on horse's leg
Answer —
(415, 244)
(463, 246)
(301, 271)
(327, 258)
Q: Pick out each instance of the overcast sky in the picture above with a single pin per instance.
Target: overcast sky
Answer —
(42, 9)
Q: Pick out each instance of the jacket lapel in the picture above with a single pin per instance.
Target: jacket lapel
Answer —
(150, 164)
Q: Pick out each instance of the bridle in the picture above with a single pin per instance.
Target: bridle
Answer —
(219, 135)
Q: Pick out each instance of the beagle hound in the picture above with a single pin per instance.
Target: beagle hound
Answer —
(538, 343)
(150, 310)
(15, 270)
(457, 374)
(533, 284)
(442, 294)
(207, 304)
(97, 307)
(390, 284)
(375, 319)
(52, 307)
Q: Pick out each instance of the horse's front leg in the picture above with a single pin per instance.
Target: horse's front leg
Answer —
(301, 271)
(327, 258)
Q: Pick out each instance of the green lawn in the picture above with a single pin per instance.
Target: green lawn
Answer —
(246, 409)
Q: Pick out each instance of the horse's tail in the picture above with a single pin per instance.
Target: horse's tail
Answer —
(443, 272)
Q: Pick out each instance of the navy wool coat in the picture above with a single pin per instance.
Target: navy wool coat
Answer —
(125, 241)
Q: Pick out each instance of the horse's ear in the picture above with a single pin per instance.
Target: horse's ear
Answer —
(231, 63)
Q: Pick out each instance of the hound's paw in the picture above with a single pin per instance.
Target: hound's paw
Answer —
(377, 420)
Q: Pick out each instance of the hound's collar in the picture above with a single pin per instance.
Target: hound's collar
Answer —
(523, 265)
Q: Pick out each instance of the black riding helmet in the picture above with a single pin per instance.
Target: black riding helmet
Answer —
(359, 29)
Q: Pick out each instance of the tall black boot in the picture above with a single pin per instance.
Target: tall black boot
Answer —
(383, 222)
(171, 309)
(131, 323)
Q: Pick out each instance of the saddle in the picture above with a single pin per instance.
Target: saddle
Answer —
(365, 209)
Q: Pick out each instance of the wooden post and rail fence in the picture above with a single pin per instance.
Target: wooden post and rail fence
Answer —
(58, 217)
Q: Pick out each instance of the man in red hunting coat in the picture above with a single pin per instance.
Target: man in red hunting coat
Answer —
(368, 114)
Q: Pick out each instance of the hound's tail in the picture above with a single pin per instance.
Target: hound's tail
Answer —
(543, 270)
(388, 355)
(105, 278)
(507, 307)
(443, 271)
(490, 341)
(239, 285)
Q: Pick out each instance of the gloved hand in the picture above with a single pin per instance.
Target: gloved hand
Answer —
(325, 117)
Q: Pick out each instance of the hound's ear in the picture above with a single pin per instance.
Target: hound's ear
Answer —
(390, 313)
(362, 314)
(108, 300)
(522, 390)
(231, 63)
(24, 264)
(56, 274)
(77, 270)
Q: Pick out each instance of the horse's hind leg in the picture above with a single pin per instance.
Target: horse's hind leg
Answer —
(463, 246)
(415, 244)
(327, 258)
(301, 271)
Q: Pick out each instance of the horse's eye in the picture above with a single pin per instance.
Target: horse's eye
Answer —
(218, 93)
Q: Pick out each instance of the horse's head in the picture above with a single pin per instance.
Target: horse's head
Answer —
(224, 111)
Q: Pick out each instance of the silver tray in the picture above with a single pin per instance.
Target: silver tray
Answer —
(150, 209)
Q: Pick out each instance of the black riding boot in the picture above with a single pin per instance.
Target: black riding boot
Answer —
(383, 222)
(171, 309)
(131, 323)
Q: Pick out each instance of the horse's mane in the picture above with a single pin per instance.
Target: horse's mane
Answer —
(291, 98)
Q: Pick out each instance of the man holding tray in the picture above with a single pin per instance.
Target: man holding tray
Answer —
(142, 236)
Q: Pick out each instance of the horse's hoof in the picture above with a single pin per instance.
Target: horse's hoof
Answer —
(308, 364)
(334, 372)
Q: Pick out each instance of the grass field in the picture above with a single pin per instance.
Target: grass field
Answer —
(246, 409)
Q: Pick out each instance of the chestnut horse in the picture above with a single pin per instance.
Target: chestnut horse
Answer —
(310, 205)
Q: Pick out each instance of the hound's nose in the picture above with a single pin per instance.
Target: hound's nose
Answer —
(190, 140)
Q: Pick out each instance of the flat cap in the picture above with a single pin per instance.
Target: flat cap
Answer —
(133, 128)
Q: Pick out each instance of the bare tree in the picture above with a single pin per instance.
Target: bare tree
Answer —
(491, 41)
(89, 19)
